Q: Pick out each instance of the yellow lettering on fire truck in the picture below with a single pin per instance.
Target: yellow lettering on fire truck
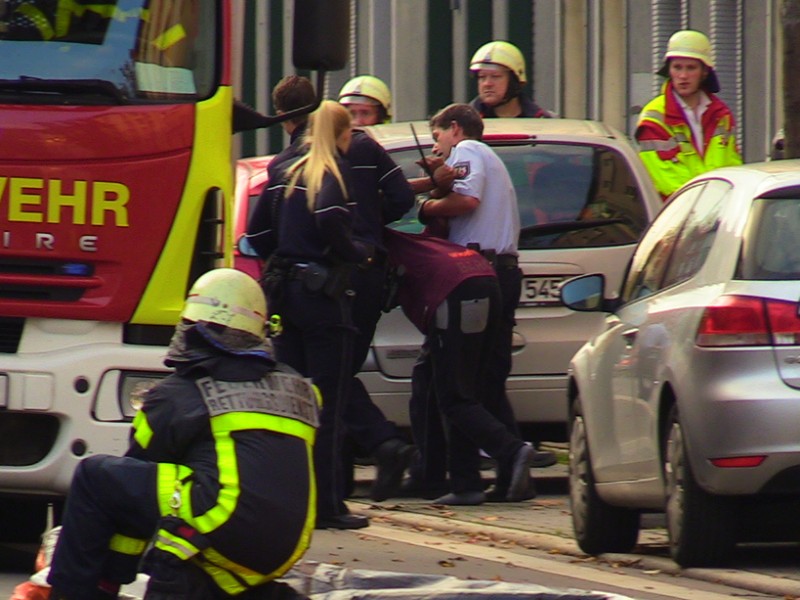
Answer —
(109, 196)
(35, 200)
(57, 200)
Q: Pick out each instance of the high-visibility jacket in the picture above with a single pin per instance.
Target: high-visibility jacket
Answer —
(235, 469)
(668, 148)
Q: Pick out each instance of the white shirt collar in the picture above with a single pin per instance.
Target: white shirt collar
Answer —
(695, 118)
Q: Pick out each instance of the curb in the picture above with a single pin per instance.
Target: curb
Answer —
(745, 580)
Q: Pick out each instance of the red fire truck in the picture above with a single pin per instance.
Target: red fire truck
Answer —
(116, 120)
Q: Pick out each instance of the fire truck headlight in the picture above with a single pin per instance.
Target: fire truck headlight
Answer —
(133, 388)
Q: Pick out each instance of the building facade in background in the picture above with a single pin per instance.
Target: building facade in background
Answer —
(592, 59)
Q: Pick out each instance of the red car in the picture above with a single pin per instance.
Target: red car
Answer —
(251, 176)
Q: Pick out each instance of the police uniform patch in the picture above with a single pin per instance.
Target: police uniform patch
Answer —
(461, 169)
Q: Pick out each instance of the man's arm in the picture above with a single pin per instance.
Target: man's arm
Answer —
(452, 205)
(398, 195)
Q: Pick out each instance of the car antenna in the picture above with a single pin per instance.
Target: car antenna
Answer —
(424, 163)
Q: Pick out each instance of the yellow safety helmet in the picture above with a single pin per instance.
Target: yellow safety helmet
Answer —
(227, 297)
(500, 53)
(688, 43)
(367, 89)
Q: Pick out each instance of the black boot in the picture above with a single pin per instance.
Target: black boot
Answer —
(393, 457)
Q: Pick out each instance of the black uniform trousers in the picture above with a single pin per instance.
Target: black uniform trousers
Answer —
(108, 495)
(500, 361)
(317, 341)
(429, 470)
(462, 344)
(365, 422)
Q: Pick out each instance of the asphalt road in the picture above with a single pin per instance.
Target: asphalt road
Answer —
(404, 553)
(526, 543)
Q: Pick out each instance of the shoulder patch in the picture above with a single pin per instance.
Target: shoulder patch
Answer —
(461, 169)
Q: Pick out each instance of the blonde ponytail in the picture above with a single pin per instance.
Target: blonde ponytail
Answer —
(325, 127)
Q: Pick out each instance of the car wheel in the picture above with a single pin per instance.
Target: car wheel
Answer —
(701, 526)
(598, 526)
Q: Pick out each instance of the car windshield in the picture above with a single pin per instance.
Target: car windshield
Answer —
(114, 51)
(569, 195)
(770, 249)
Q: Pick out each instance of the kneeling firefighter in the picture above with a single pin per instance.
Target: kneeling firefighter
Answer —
(218, 479)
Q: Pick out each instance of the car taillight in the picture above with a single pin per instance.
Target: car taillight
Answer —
(749, 321)
(734, 462)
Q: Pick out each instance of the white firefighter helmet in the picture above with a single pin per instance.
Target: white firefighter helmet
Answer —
(367, 89)
(500, 53)
(228, 297)
(688, 43)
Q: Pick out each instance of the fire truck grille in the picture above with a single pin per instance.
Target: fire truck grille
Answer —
(10, 334)
(50, 280)
(25, 439)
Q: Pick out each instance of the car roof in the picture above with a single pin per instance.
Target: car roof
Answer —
(394, 134)
(759, 178)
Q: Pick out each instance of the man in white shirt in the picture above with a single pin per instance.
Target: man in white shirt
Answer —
(481, 211)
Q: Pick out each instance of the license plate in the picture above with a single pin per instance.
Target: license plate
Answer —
(541, 291)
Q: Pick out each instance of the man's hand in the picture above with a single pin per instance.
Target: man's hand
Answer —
(433, 162)
(444, 176)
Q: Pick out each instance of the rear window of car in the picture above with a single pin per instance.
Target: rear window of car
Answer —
(770, 248)
(569, 195)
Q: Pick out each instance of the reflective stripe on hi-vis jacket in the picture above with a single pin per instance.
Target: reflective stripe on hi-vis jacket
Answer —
(668, 149)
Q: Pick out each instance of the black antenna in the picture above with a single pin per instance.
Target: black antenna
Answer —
(422, 154)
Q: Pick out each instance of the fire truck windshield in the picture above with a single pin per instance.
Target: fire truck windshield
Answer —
(116, 51)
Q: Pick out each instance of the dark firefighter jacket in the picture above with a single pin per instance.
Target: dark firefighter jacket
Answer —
(233, 438)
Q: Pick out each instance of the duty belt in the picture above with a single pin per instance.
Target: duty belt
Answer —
(506, 261)
(499, 261)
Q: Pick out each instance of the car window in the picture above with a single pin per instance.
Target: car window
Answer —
(651, 258)
(569, 195)
(698, 233)
(770, 248)
(406, 160)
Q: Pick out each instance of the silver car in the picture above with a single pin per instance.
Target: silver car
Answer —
(688, 400)
(584, 200)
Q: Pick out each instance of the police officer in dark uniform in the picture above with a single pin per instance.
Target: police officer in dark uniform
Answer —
(306, 219)
(382, 195)
(219, 467)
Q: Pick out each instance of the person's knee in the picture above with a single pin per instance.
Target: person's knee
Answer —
(90, 469)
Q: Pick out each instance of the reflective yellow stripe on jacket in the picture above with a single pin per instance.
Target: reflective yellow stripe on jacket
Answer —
(669, 175)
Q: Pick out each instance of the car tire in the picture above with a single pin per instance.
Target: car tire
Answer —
(598, 526)
(701, 526)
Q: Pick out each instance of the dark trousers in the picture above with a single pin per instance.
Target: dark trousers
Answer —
(365, 422)
(430, 468)
(462, 344)
(500, 361)
(317, 341)
(109, 495)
